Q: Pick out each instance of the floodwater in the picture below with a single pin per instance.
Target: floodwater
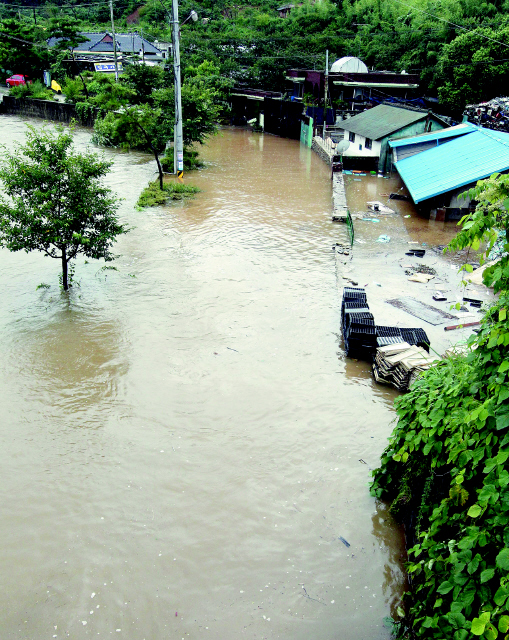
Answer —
(185, 452)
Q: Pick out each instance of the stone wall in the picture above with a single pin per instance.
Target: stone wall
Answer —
(54, 111)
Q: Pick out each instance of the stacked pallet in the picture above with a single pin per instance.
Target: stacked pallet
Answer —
(401, 353)
(401, 364)
(396, 335)
(357, 324)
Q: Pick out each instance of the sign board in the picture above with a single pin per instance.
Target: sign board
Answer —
(107, 67)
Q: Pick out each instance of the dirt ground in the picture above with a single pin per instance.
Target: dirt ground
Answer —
(384, 269)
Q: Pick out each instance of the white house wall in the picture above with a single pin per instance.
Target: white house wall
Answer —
(358, 149)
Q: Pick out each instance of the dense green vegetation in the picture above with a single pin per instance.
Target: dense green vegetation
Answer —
(445, 469)
(460, 48)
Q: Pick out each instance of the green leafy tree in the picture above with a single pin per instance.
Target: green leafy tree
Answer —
(22, 49)
(56, 201)
(135, 127)
(471, 68)
(144, 109)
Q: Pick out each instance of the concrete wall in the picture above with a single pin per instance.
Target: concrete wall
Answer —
(54, 111)
(325, 152)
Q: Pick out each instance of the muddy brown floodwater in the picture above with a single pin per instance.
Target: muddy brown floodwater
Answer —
(185, 452)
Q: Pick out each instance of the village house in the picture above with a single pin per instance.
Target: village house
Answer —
(351, 82)
(368, 134)
(98, 50)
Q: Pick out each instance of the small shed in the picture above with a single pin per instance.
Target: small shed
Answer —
(368, 133)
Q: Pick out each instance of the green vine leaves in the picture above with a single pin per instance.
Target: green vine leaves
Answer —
(446, 468)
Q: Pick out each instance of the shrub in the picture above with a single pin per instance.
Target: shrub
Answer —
(152, 196)
(445, 470)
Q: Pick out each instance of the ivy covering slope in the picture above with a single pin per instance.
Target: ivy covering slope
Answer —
(446, 470)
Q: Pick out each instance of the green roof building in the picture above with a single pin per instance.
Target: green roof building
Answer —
(369, 132)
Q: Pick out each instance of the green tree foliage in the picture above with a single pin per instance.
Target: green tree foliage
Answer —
(445, 470)
(458, 47)
(22, 49)
(472, 68)
(56, 201)
(141, 108)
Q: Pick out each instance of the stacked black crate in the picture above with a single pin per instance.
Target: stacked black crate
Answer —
(417, 337)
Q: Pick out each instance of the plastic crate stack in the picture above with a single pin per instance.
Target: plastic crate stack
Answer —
(417, 337)
(396, 335)
(388, 335)
(358, 324)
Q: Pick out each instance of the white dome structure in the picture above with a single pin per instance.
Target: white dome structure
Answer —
(349, 64)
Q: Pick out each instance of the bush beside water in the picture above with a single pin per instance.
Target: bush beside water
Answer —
(445, 470)
(152, 196)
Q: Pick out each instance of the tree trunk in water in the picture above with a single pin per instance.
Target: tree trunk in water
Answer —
(154, 151)
(160, 169)
(64, 271)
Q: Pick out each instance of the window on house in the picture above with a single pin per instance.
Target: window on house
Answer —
(368, 143)
(352, 136)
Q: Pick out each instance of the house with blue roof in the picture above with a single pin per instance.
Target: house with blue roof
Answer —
(438, 168)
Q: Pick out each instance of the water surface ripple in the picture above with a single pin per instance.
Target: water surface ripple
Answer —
(183, 446)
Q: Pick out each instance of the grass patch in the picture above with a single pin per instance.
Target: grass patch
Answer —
(152, 196)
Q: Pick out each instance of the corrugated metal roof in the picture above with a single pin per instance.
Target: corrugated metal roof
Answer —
(381, 121)
(462, 161)
(450, 132)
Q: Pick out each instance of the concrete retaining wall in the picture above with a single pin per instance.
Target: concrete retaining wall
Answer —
(326, 153)
(54, 111)
(340, 207)
(322, 150)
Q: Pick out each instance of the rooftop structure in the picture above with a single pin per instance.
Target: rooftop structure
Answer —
(102, 44)
(382, 121)
(349, 64)
(460, 162)
(406, 147)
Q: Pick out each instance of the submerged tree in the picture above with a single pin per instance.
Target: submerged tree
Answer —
(56, 201)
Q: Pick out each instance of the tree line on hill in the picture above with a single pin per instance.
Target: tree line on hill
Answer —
(460, 48)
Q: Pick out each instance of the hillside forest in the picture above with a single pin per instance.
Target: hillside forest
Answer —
(459, 48)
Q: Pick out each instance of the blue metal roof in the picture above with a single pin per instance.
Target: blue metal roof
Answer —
(462, 161)
(451, 132)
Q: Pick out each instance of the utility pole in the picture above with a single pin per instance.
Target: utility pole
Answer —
(326, 90)
(179, 139)
(114, 40)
